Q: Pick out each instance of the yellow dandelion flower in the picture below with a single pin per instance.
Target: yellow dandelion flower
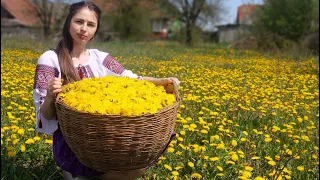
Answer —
(234, 143)
(30, 141)
(259, 178)
(193, 126)
(203, 131)
(289, 152)
(248, 168)
(190, 164)
(170, 150)
(272, 163)
(11, 154)
(214, 159)
(300, 168)
(196, 175)
(234, 157)
(230, 162)
(268, 158)
(305, 138)
(22, 148)
(36, 138)
(48, 141)
(287, 177)
(272, 173)
(215, 137)
(14, 142)
(180, 139)
(175, 173)
(21, 132)
(220, 145)
(267, 139)
(219, 168)
(168, 167)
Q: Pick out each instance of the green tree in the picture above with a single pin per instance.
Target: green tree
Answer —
(290, 19)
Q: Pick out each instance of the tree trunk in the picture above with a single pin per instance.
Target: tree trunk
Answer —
(46, 32)
(188, 34)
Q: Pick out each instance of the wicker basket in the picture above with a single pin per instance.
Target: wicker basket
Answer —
(114, 142)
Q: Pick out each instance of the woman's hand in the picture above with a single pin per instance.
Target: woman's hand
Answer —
(54, 87)
(169, 84)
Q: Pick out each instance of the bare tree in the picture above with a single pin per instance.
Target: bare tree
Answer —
(51, 14)
(44, 10)
(195, 12)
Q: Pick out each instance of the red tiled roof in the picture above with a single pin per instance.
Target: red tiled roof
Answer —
(244, 11)
(105, 6)
(23, 10)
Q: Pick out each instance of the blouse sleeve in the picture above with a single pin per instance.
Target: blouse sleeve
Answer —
(113, 67)
(46, 69)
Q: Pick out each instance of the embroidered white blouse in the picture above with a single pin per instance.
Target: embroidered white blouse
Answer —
(100, 64)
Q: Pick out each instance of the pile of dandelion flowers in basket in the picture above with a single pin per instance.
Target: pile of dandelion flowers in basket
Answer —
(116, 95)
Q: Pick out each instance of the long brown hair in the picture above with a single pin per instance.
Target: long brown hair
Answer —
(65, 46)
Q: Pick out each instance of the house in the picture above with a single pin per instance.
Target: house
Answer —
(232, 32)
(160, 21)
(245, 14)
(18, 17)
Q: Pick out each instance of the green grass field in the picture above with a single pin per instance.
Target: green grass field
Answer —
(245, 115)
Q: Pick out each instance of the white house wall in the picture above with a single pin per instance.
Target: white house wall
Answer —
(231, 34)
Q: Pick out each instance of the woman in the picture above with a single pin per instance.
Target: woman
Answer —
(70, 62)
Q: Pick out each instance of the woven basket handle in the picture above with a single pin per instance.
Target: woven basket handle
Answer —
(176, 91)
(56, 102)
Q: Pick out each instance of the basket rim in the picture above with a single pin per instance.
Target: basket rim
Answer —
(59, 102)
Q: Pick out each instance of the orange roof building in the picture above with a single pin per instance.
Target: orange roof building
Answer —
(22, 12)
(245, 12)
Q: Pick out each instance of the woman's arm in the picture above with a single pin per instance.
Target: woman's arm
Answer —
(162, 81)
(48, 109)
(115, 68)
(166, 82)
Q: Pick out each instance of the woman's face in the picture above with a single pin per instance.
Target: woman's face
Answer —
(83, 26)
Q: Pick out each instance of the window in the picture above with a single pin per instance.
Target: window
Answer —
(158, 25)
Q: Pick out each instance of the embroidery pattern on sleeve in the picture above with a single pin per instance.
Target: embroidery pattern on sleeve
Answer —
(110, 63)
(43, 74)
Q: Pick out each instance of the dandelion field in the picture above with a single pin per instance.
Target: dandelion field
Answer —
(244, 115)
